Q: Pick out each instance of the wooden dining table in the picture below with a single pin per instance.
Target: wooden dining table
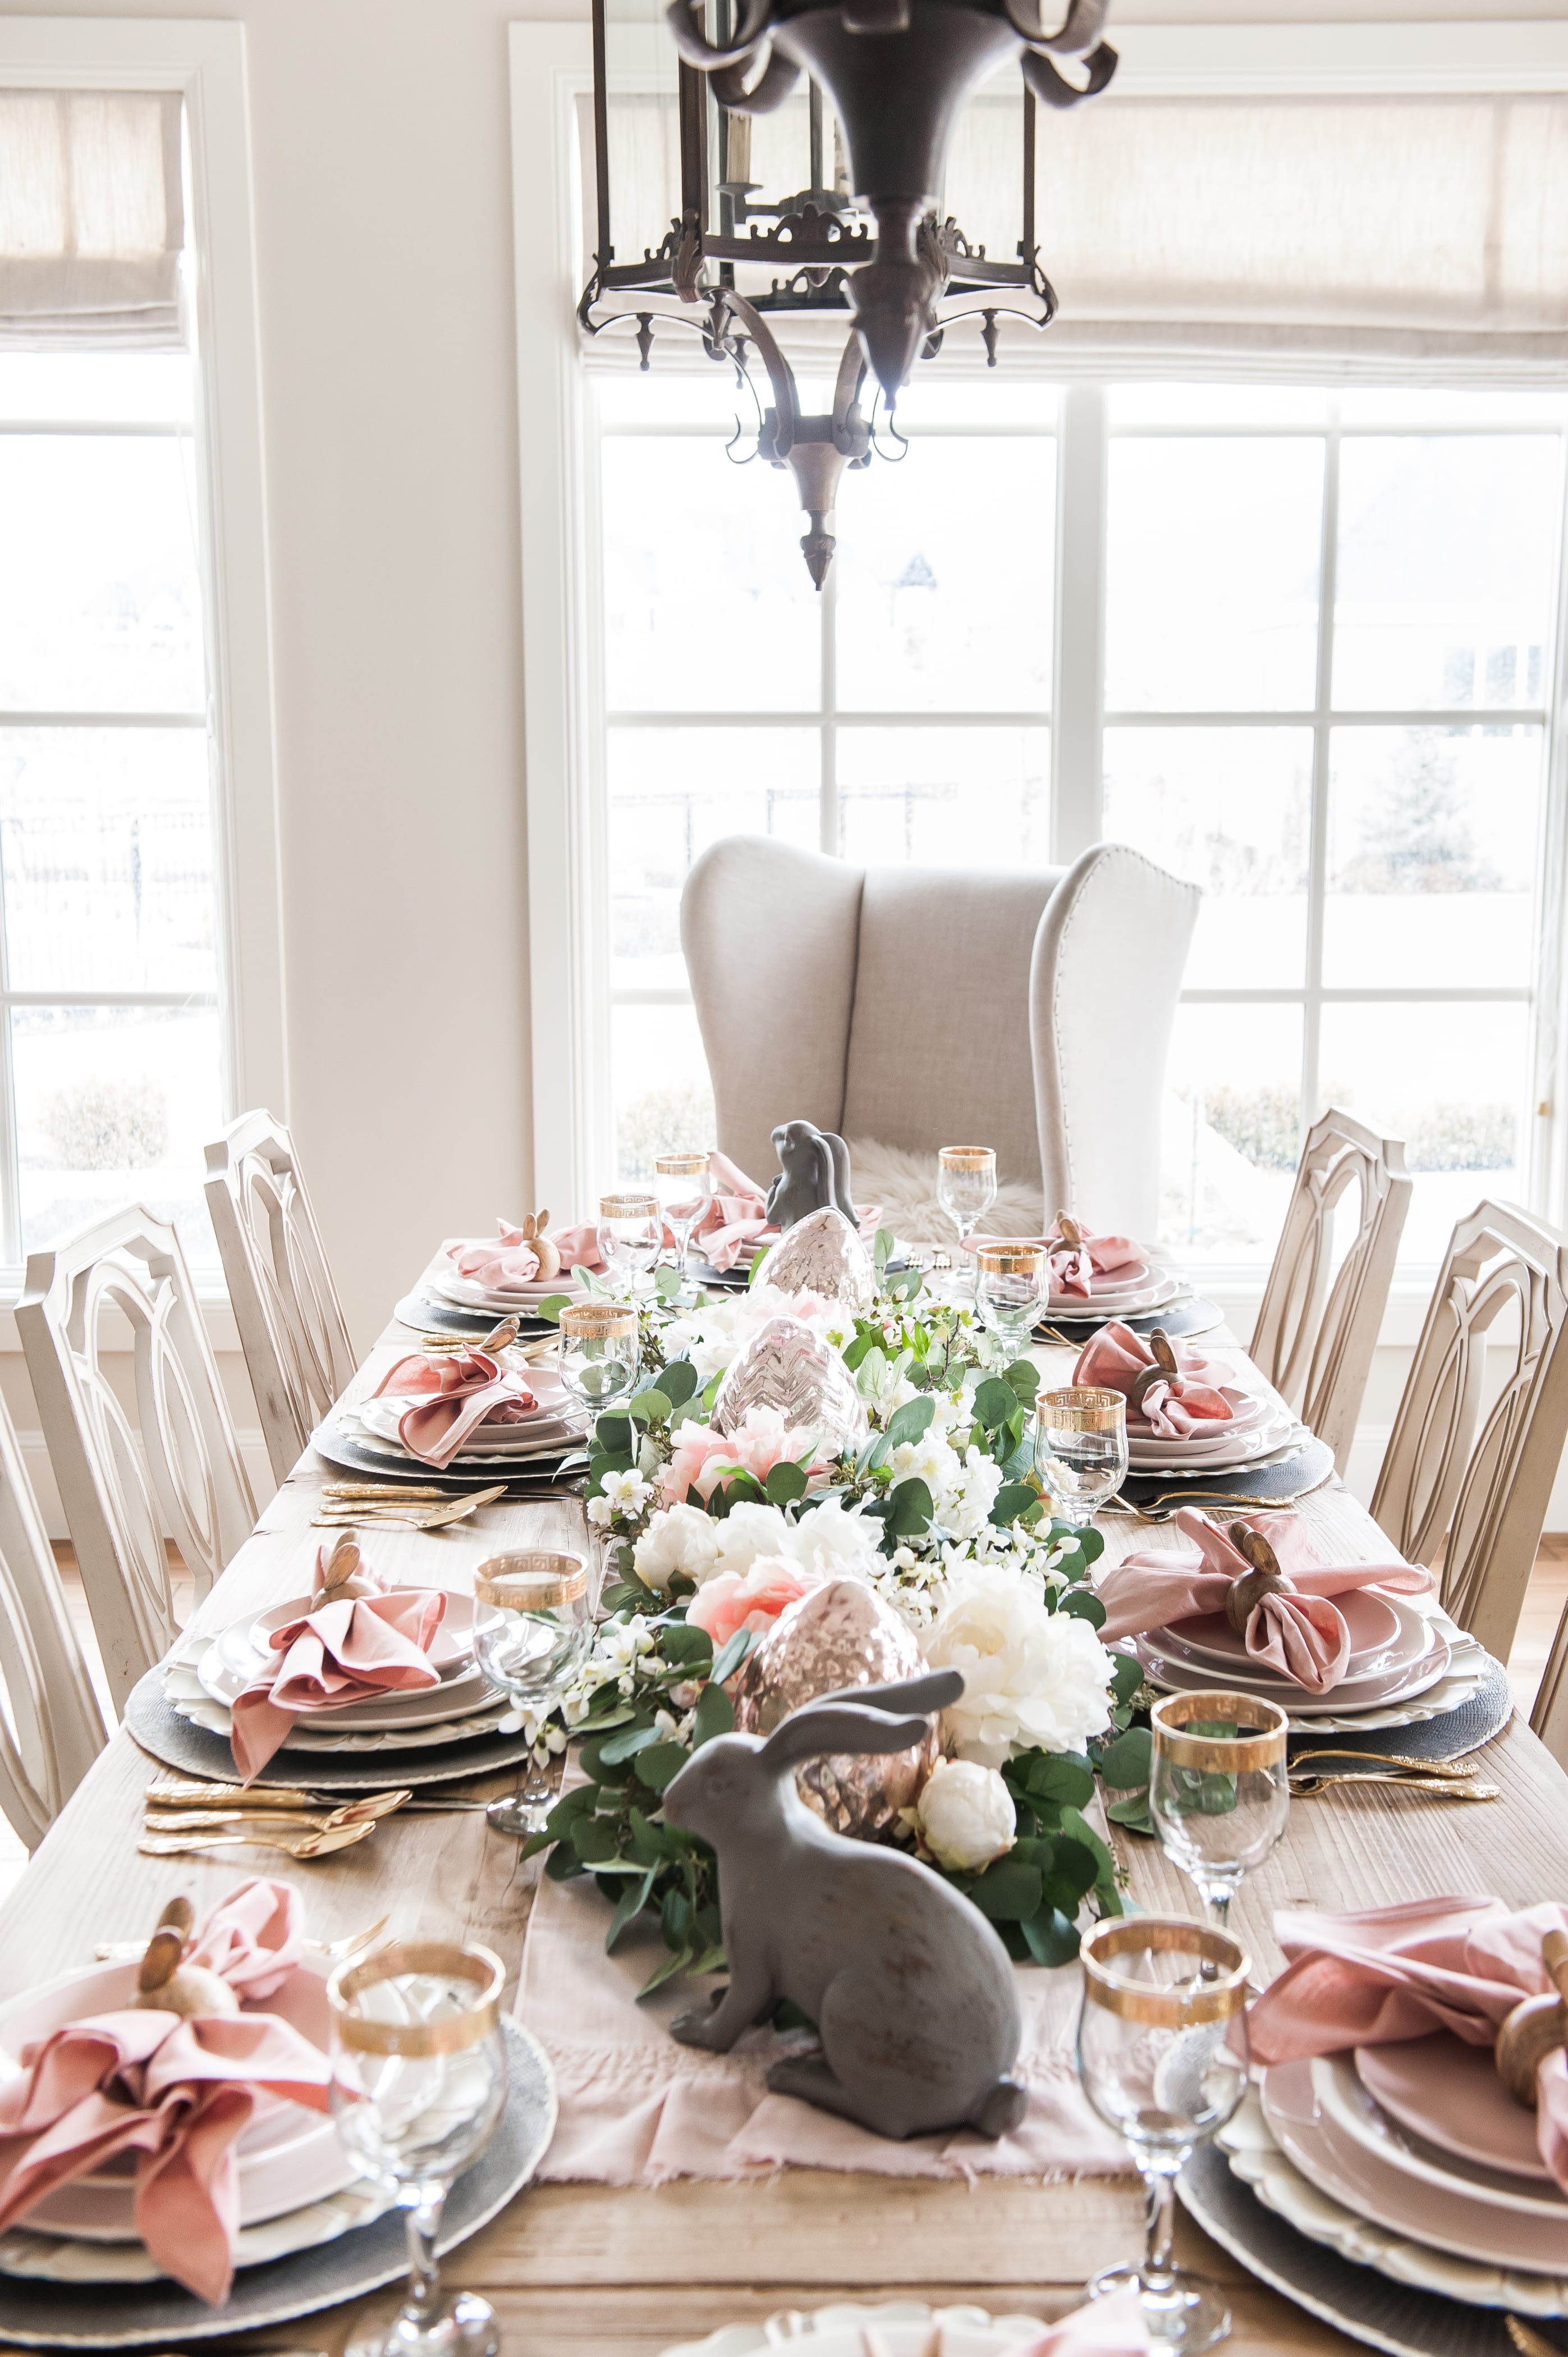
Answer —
(629, 2272)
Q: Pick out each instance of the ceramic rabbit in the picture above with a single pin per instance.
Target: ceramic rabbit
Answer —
(813, 1171)
(911, 1988)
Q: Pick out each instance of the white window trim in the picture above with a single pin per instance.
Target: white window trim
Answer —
(551, 67)
(206, 61)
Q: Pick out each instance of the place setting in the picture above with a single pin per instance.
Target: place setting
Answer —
(1088, 1279)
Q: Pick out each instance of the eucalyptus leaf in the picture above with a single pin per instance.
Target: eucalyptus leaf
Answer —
(628, 1745)
(909, 1422)
(1084, 1606)
(677, 1380)
(994, 1402)
(665, 1972)
(731, 1654)
(1013, 1500)
(552, 1305)
(631, 1902)
(1008, 1891)
(1126, 1761)
(1050, 1938)
(908, 1510)
(714, 1714)
(660, 1764)
(785, 1482)
(669, 1283)
(881, 1249)
(612, 1433)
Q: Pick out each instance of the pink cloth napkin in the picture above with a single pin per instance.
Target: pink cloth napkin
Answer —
(1393, 1973)
(1296, 1631)
(1113, 1359)
(177, 2093)
(451, 1394)
(1072, 1266)
(338, 1654)
(506, 1259)
(737, 1215)
(1112, 2327)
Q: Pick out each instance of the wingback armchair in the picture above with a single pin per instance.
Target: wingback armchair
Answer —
(911, 1009)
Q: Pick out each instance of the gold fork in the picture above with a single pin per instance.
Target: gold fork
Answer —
(1528, 2343)
(293, 1845)
(1307, 1788)
(334, 1515)
(1385, 1760)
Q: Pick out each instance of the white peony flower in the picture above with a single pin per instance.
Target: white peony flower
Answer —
(830, 1543)
(966, 1815)
(746, 1532)
(681, 1539)
(1032, 1679)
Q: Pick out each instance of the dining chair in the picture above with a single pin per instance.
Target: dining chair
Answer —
(291, 1323)
(1318, 1324)
(1463, 1480)
(911, 1009)
(127, 1488)
(51, 1728)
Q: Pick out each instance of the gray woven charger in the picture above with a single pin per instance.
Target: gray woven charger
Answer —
(1367, 2306)
(340, 1450)
(423, 1314)
(1198, 1315)
(1306, 1469)
(1448, 1736)
(131, 2316)
(197, 1751)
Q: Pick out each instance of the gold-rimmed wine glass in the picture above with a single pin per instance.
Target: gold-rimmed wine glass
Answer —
(1218, 1787)
(531, 1630)
(419, 2078)
(597, 1352)
(684, 1186)
(1080, 1448)
(630, 1236)
(1009, 1284)
(966, 1185)
(1162, 2053)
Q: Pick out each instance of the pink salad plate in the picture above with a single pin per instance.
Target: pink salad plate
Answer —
(1350, 1694)
(518, 1437)
(288, 2156)
(1449, 2094)
(1377, 1631)
(1136, 1274)
(452, 1641)
(470, 1294)
(1369, 2187)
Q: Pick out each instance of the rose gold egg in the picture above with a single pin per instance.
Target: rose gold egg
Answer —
(840, 1635)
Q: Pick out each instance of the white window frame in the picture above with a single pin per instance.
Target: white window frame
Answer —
(551, 68)
(206, 63)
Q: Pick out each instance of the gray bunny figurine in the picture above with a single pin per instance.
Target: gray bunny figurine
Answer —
(843, 1197)
(911, 1988)
(813, 1171)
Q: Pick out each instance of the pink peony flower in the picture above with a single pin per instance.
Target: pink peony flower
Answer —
(701, 1453)
(753, 1599)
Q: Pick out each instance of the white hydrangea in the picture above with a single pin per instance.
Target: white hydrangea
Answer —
(965, 1816)
(928, 1459)
(681, 1539)
(1032, 1679)
(971, 1494)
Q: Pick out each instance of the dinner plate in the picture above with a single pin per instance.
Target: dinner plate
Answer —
(1205, 1458)
(1367, 2183)
(455, 1698)
(547, 1429)
(522, 1453)
(1448, 2095)
(1064, 1308)
(351, 1450)
(1252, 1676)
(1349, 1697)
(1377, 1628)
(287, 2157)
(1273, 1447)
(468, 1293)
(185, 1694)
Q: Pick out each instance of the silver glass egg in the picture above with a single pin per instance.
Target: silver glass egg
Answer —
(823, 1254)
(787, 1366)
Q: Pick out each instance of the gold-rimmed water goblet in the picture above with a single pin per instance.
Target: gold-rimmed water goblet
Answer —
(419, 2077)
(1218, 1787)
(1162, 2054)
(533, 1626)
(684, 1186)
(1080, 1448)
(630, 1237)
(597, 1352)
(966, 1185)
(1009, 1284)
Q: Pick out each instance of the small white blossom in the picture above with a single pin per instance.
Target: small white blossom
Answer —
(965, 1816)
(625, 1493)
(598, 1511)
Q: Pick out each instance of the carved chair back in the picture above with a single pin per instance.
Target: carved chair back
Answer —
(174, 1472)
(1549, 1716)
(1317, 1327)
(1463, 1478)
(292, 1327)
(51, 1728)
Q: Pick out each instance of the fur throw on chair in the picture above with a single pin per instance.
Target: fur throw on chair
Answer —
(905, 1184)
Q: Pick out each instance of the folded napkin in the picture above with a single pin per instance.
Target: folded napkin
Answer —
(338, 1654)
(1173, 1408)
(177, 2093)
(505, 1260)
(737, 1215)
(1393, 1973)
(451, 1394)
(1296, 1631)
(1073, 1265)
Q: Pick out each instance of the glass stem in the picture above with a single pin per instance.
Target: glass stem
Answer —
(1217, 1898)
(422, 2300)
(1159, 2184)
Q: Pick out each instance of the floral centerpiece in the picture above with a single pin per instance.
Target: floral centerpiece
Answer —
(713, 1535)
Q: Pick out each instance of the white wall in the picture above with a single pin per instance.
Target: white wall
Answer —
(383, 210)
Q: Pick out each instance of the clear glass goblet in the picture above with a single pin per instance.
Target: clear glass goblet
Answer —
(1009, 1284)
(684, 1186)
(966, 1185)
(1080, 1448)
(1219, 1788)
(599, 1351)
(631, 1237)
(418, 2083)
(532, 1631)
(1162, 2053)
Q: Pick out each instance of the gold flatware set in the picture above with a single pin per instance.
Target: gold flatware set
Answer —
(345, 1504)
(180, 1816)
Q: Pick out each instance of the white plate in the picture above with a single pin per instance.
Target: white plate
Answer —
(1256, 2158)
(468, 1293)
(185, 1694)
(547, 1430)
(287, 2157)
(1368, 1683)
(1351, 2107)
(354, 1425)
(1452, 2221)
(1064, 1308)
(903, 2328)
(1371, 1694)
(1195, 1463)
(1379, 1629)
(454, 1698)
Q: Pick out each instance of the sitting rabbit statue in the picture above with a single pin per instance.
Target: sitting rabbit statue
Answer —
(910, 1989)
(813, 1171)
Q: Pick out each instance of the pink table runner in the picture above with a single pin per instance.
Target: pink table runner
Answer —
(638, 2109)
